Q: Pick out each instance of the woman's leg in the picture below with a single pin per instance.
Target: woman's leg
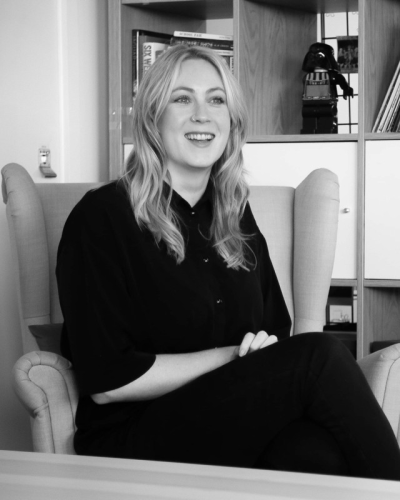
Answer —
(231, 415)
(304, 446)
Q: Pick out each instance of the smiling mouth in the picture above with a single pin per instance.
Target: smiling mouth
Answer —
(200, 137)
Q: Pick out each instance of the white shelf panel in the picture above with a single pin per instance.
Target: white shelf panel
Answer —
(281, 164)
(382, 210)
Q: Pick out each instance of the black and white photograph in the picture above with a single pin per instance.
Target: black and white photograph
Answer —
(347, 54)
(199, 250)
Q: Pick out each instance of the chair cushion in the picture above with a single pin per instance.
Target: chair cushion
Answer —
(47, 336)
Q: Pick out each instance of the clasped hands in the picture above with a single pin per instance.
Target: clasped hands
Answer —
(253, 342)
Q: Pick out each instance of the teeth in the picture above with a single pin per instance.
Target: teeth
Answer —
(199, 137)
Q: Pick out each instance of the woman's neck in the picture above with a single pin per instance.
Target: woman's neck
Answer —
(191, 188)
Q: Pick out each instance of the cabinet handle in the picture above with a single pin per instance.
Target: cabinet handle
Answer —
(346, 210)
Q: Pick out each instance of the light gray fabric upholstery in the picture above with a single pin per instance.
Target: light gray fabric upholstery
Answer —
(273, 209)
(316, 210)
(382, 370)
(57, 201)
(29, 248)
(36, 214)
(300, 226)
(46, 386)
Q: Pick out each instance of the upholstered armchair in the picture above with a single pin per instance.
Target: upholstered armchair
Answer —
(43, 380)
(300, 226)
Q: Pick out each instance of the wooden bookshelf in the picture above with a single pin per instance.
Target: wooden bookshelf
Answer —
(380, 49)
(271, 38)
(270, 75)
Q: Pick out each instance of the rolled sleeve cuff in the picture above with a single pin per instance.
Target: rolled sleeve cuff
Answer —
(113, 374)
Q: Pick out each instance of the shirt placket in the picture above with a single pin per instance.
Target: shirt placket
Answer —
(208, 257)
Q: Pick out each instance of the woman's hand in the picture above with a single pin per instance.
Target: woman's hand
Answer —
(253, 342)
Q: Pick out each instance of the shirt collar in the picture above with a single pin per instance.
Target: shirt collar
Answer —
(178, 201)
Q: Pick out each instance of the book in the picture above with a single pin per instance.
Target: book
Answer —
(387, 126)
(396, 122)
(191, 34)
(203, 42)
(140, 37)
(390, 105)
(386, 104)
(222, 46)
(227, 56)
(152, 50)
(395, 125)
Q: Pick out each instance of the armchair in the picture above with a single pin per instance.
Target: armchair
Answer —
(43, 381)
(300, 226)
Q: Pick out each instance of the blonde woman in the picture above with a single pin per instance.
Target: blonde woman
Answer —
(173, 311)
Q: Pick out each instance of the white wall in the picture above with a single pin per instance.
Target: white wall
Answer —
(83, 50)
(30, 90)
(53, 92)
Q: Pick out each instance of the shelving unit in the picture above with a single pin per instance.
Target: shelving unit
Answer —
(266, 76)
(271, 38)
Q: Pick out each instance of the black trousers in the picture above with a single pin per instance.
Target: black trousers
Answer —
(301, 404)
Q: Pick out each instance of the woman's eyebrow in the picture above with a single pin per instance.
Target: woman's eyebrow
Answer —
(215, 89)
(192, 91)
(186, 89)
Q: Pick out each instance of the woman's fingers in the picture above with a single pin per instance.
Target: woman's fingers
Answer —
(258, 340)
(270, 340)
(251, 342)
(245, 345)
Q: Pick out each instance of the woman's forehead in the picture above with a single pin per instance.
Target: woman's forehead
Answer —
(198, 70)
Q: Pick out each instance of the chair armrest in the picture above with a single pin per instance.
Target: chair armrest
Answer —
(382, 370)
(45, 384)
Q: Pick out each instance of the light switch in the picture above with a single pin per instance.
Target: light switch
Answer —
(44, 162)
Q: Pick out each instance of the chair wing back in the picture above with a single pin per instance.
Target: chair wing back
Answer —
(273, 209)
(57, 202)
(316, 209)
(36, 214)
(300, 226)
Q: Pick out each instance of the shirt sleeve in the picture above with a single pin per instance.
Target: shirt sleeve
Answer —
(93, 274)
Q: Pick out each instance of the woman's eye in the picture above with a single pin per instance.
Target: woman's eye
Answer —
(184, 99)
(218, 100)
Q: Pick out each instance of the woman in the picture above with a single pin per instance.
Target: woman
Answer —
(173, 310)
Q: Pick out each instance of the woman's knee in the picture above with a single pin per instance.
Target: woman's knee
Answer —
(322, 343)
(303, 446)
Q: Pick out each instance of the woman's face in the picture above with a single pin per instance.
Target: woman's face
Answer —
(195, 125)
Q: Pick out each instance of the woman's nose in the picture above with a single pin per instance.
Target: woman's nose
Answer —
(200, 113)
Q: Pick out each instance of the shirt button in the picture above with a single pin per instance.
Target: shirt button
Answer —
(206, 259)
(219, 301)
(192, 213)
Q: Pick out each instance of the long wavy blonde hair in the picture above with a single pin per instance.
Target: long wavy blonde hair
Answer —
(145, 169)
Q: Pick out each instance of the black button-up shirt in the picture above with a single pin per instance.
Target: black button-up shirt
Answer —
(124, 299)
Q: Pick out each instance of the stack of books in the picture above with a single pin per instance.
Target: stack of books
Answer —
(222, 44)
(388, 119)
(148, 45)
